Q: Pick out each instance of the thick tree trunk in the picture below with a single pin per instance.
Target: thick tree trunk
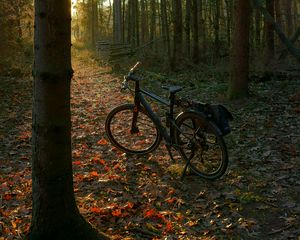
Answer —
(54, 212)
(238, 86)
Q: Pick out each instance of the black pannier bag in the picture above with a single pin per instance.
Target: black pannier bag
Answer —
(216, 113)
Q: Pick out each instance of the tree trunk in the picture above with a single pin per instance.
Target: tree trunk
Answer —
(289, 18)
(228, 5)
(270, 42)
(137, 22)
(177, 35)
(54, 211)
(217, 31)
(144, 22)
(152, 19)
(165, 29)
(238, 85)
(117, 21)
(195, 32)
(202, 27)
(188, 27)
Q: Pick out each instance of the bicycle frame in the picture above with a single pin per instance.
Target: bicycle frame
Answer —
(139, 100)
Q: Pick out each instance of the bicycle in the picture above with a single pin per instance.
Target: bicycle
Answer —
(136, 129)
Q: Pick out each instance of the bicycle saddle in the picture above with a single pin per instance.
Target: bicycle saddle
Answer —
(172, 89)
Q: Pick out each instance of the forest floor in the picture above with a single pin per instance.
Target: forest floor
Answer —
(142, 197)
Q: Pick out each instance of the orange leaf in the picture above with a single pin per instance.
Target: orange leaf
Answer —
(94, 174)
(102, 142)
(96, 210)
(102, 161)
(149, 213)
(129, 205)
(160, 216)
(117, 213)
(171, 200)
(169, 227)
(77, 162)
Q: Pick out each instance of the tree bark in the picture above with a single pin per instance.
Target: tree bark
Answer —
(177, 35)
(117, 21)
(195, 33)
(152, 19)
(238, 85)
(228, 5)
(144, 22)
(165, 29)
(289, 18)
(54, 211)
(217, 30)
(188, 27)
(270, 41)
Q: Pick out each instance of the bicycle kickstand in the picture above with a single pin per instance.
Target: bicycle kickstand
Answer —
(170, 153)
(183, 174)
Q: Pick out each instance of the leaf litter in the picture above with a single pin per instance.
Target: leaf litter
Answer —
(132, 197)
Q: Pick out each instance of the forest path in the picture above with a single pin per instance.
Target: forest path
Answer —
(142, 197)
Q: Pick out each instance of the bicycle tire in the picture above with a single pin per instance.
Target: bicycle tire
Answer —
(118, 129)
(201, 143)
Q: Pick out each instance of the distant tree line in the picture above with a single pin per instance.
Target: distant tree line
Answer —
(198, 30)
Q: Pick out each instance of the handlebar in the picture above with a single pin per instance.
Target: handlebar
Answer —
(133, 69)
(131, 75)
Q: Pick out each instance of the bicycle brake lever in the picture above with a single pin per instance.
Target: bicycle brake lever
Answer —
(124, 84)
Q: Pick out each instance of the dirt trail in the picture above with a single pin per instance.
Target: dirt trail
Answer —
(142, 198)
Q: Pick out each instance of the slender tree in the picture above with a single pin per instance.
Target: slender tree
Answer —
(270, 40)
(165, 28)
(178, 33)
(117, 21)
(195, 32)
(217, 30)
(54, 211)
(238, 85)
(289, 17)
(188, 27)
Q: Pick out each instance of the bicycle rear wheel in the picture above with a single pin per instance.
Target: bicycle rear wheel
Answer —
(202, 145)
(132, 132)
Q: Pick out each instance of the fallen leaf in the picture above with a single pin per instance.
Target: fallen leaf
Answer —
(102, 142)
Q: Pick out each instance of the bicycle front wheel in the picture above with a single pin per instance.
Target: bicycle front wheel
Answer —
(130, 131)
(201, 144)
